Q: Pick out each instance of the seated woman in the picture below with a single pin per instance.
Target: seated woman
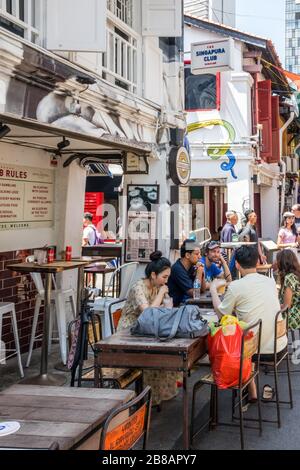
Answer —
(288, 236)
(289, 274)
(151, 292)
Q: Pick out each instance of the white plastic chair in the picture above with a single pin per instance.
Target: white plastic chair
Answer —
(101, 304)
(59, 298)
(8, 309)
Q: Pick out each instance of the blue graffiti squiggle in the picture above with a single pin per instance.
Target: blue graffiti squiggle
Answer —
(229, 166)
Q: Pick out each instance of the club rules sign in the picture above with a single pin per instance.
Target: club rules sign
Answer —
(26, 197)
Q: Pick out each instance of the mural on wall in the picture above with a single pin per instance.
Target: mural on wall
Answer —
(217, 152)
(44, 95)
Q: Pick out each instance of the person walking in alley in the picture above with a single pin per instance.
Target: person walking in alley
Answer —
(249, 233)
(288, 236)
(91, 236)
(229, 228)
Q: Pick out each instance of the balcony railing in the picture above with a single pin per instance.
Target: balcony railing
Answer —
(22, 17)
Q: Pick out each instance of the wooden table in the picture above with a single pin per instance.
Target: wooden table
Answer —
(48, 269)
(113, 250)
(64, 415)
(204, 301)
(100, 269)
(125, 351)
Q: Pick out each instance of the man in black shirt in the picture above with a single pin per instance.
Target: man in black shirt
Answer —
(184, 272)
(249, 233)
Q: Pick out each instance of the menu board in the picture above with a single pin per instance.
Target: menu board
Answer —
(26, 197)
(141, 236)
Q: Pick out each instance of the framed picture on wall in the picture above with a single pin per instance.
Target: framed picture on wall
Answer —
(142, 197)
(141, 238)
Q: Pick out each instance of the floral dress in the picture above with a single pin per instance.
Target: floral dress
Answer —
(292, 281)
(163, 383)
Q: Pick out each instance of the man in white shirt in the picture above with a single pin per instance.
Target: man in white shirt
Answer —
(251, 298)
(90, 234)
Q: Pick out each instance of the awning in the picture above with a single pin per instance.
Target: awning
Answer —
(33, 134)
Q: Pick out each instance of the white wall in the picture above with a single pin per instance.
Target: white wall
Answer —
(269, 211)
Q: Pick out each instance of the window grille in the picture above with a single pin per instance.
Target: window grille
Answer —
(23, 17)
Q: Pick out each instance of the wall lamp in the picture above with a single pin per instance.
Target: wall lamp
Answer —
(4, 130)
(63, 144)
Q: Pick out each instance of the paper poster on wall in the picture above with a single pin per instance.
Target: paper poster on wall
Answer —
(141, 236)
(26, 197)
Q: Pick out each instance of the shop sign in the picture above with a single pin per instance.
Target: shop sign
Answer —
(135, 164)
(180, 166)
(26, 197)
(213, 57)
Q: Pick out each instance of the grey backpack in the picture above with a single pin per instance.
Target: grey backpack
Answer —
(168, 323)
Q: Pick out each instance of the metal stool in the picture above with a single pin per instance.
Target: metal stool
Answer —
(8, 309)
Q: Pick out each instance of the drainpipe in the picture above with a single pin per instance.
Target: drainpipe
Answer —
(283, 164)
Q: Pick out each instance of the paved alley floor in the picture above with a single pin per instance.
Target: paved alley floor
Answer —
(166, 426)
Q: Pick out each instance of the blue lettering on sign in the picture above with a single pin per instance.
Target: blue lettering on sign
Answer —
(211, 59)
(210, 52)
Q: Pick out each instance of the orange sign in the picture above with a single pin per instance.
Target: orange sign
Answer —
(124, 436)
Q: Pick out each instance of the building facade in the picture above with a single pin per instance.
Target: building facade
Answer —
(292, 49)
(83, 84)
(234, 129)
(219, 11)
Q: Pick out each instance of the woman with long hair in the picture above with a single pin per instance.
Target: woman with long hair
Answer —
(288, 235)
(151, 291)
(289, 275)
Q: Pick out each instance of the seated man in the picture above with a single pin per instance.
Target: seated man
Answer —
(184, 272)
(252, 298)
(211, 258)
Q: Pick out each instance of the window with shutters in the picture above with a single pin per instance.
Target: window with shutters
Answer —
(23, 17)
(122, 9)
(265, 117)
(119, 63)
(275, 158)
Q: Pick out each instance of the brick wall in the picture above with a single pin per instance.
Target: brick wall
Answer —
(20, 290)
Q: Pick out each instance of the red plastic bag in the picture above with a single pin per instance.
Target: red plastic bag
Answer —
(224, 354)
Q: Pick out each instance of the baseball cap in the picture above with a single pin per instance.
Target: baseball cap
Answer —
(212, 245)
(288, 214)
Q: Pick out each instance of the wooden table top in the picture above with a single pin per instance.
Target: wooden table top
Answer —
(205, 299)
(55, 267)
(123, 340)
(56, 414)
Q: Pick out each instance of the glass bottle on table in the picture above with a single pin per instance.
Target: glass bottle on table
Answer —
(197, 289)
